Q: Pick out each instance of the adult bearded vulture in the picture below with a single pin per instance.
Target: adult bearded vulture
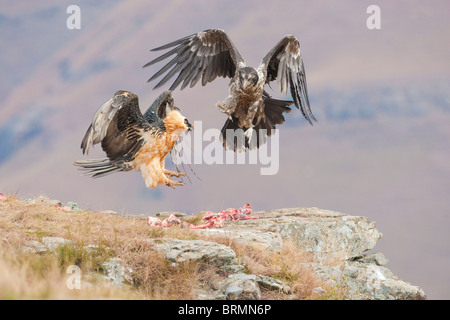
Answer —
(133, 140)
(210, 53)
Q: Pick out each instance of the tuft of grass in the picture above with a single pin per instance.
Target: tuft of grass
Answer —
(156, 277)
(195, 219)
(87, 258)
(31, 276)
(334, 292)
(290, 264)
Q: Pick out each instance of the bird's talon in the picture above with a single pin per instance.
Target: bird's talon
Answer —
(172, 183)
(173, 174)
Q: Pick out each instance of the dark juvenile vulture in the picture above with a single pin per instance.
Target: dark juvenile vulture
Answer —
(132, 140)
(210, 53)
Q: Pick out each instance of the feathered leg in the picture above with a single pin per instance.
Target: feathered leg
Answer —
(228, 106)
(167, 181)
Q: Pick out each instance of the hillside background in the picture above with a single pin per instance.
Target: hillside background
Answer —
(380, 149)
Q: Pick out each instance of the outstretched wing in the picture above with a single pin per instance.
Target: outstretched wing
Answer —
(162, 105)
(118, 124)
(206, 55)
(285, 64)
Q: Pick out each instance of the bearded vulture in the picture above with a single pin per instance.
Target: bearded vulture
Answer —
(132, 140)
(210, 53)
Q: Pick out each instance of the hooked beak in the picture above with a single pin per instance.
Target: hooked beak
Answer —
(189, 126)
(249, 82)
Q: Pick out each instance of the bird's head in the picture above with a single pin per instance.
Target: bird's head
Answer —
(176, 124)
(248, 78)
(189, 126)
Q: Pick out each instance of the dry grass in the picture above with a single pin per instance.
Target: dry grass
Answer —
(290, 265)
(43, 276)
(33, 276)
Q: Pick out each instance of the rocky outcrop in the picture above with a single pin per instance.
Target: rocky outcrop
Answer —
(117, 273)
(336, 243)
(327, 236)
(368, 281)
(47, 244)
(194, 250)
(112, 270)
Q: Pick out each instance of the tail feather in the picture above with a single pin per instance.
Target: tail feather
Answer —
(232, 136)
(87, 140)
(101, 167)
(238, 140)
(274, 110)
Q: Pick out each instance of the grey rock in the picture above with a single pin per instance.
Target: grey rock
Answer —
(263, 238)
(34, 247)
(194, 250)
(232, 268)
(48, 244)
(367, 281)
(399, 290)
(329, 235)
(326, 234)
(270, 283)
(52, 243)
(329, 274)
(376, 258)
(115, 272)
(233, 292)
(242, 286)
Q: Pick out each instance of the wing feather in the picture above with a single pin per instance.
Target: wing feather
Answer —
(284, 63)
(118, 125)
(194, 69)
(101, 120)
(160, 108)
(207, 54)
